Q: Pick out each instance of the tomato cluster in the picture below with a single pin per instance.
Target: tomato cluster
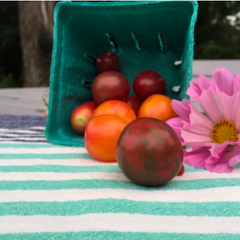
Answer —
(103, 119)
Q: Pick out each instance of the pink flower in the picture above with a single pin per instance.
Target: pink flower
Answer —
(215, 138)
(223, 81)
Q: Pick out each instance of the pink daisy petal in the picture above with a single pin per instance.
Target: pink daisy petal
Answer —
(223, 81)
(176, 124)
(197, 147)
(217, 149)
(238, 123)
(223, 158)
(193, 139)
(230, 107)
(236, 84)
(209, 105)
(182, 108)
(235, 150)
(200, 124)
(196, 158)
(219, 166)
(198, 131)
(196, 88)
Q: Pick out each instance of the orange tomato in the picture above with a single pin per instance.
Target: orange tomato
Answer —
(157, 106)
(101, 136)
(117, 108)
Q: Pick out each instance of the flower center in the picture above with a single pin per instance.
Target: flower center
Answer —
(224, 131)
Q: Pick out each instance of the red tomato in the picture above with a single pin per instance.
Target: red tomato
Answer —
(181, 172)
(147, 83)
(108, 61)
(110, 86)
(134, 103)
(82, 115)
(117, 108)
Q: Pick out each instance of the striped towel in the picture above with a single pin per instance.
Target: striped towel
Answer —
(54, 192)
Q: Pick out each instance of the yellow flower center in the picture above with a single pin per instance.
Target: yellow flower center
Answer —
(224, 131)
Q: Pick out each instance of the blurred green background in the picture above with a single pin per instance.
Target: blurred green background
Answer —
(10, 47)
(217, 36)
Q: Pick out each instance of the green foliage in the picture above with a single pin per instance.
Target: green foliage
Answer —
(10, 49)
(215, 36)
(45, 102)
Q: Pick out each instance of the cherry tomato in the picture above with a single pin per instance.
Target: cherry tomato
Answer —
(101, 136)
(117, 108)
(147, 83)
(157, 106)
(108, 61)
(134, 103)
(81, 115)
(180, 173)
(110, 85)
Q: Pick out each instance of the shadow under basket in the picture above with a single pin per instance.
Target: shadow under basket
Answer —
(155, 35)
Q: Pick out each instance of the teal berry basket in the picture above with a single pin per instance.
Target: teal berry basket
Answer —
(157, 35)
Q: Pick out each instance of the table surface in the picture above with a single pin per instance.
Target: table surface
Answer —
(28, 101)
(55, 192)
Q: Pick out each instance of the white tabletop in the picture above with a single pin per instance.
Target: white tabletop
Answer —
(28, 101)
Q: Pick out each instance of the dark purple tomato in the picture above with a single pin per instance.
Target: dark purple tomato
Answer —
(110, 86)
(149, 152)
(148, 83)
(134, 103)
(108, 61)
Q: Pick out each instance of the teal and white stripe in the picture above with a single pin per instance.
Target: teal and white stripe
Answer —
(124, 222)
(53, 192)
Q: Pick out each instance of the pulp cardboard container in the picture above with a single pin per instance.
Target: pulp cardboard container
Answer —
(155, 35)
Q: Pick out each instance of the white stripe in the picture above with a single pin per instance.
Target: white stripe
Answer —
(91, 162)
(38, 176)
(44, 151)
(123, 222)
(21, 135)
(6, 130)
(24, 176)
(21, 143)
(32, 138)
(61, 162)
(230, 194)
(38, 128)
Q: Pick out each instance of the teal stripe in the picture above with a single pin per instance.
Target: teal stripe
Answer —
(28, 145)
(215, 209)
(113, 184)
(188, 168)
(54, 156)
(46, 156)
(59, 168)
(33, 145)
(107, 235)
